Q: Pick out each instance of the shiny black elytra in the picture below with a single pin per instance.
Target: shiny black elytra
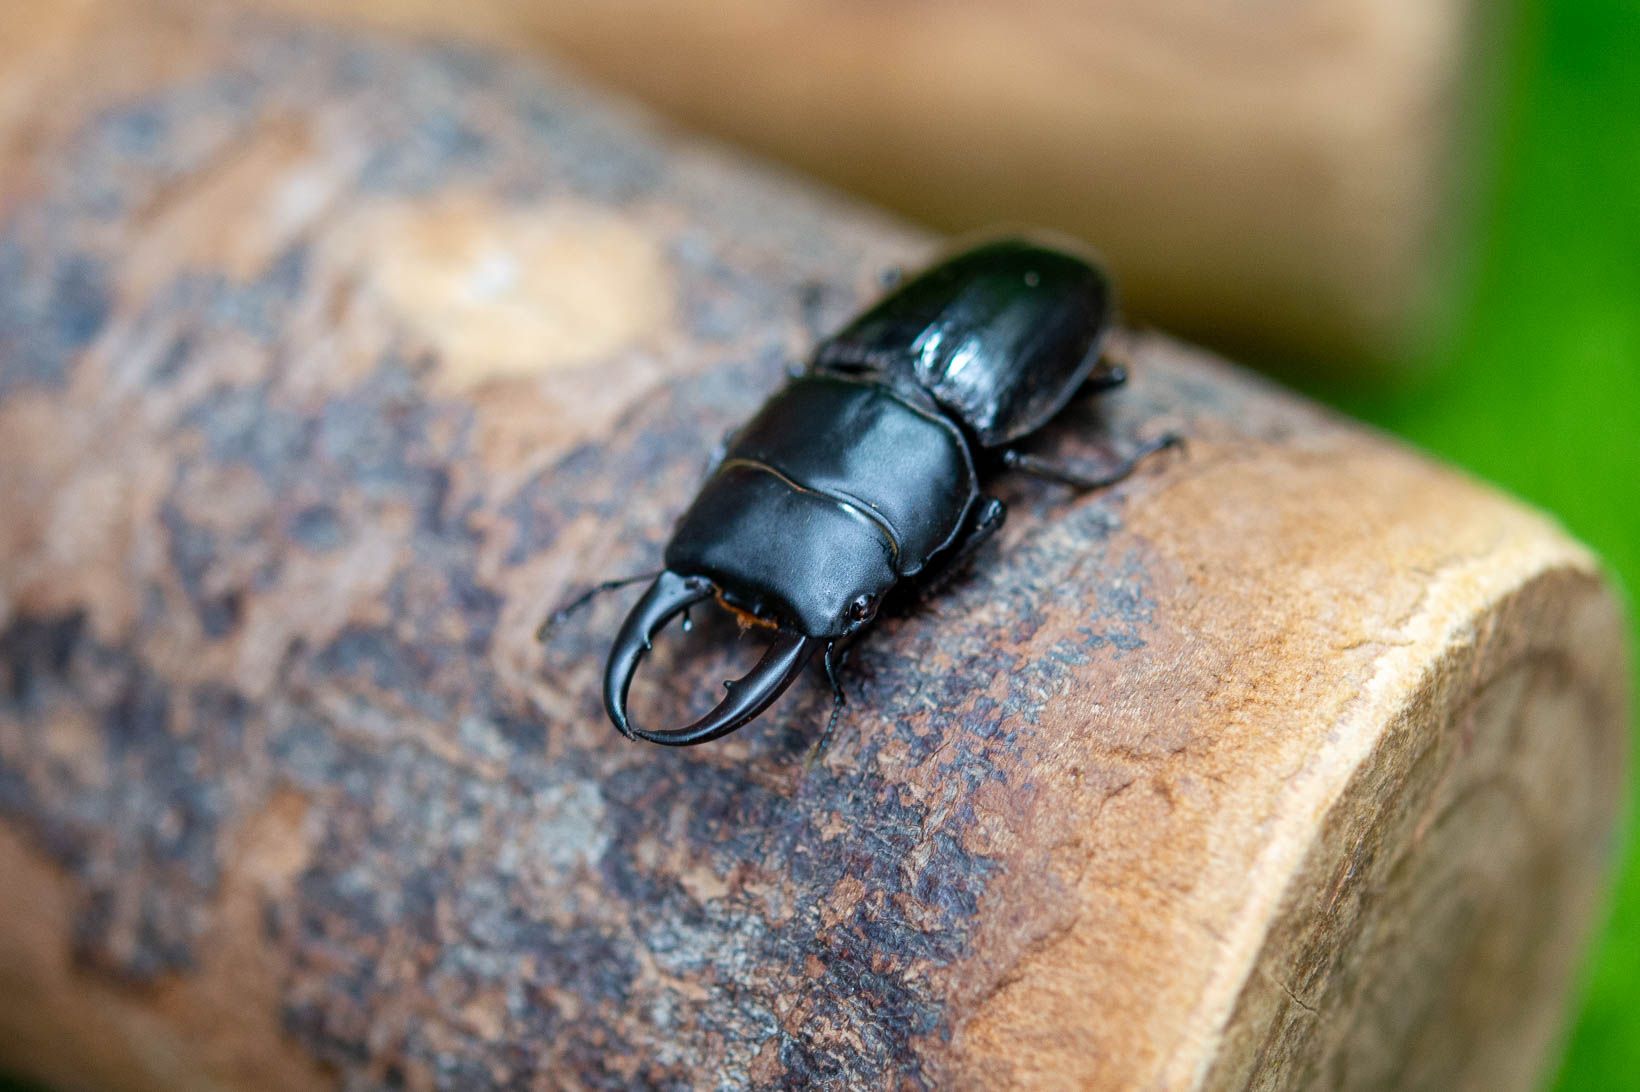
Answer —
(863, 475)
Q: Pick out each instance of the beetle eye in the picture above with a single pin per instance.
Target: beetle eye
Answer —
(862, 608)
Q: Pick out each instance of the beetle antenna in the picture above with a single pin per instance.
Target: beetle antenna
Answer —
(571, 606)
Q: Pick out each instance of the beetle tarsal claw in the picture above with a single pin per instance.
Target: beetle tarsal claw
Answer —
(744, 699)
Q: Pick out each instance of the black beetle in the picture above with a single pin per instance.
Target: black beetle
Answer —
(864, 473)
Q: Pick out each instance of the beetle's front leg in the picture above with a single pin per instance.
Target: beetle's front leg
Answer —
(1082, 481)
(836, 658)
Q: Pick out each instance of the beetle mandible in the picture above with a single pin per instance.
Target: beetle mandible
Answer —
(864, 475)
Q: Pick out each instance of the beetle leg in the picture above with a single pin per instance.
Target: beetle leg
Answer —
(1112, 369)
(811, 302)
(575, 604)
(747, 697)
(1038, 467)
(1108, 375)
(987, 522)
(838, 698)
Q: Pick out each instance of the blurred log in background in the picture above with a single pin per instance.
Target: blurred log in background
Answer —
(1288, 177)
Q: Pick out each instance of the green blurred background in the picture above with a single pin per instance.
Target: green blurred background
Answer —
(1538, 386)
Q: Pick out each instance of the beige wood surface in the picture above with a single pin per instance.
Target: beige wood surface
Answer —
(1292, 176)
(328, 364)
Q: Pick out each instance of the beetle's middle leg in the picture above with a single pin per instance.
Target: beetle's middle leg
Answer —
(987, 522)
(1111, 372)
(811, 300)
(1038, 467)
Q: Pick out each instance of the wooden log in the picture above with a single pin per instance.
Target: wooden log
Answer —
(1287, 176)
(328, 365)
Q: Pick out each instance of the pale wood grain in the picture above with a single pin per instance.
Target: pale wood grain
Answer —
(1284, 175)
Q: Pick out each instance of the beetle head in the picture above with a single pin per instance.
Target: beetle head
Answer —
(862, 610)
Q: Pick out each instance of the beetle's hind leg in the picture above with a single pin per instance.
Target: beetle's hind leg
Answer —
(570, 606)
(1083, 481)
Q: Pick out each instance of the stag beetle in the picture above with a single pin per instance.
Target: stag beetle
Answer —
(863, 474)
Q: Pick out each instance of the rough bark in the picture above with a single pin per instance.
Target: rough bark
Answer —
(328, 365)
